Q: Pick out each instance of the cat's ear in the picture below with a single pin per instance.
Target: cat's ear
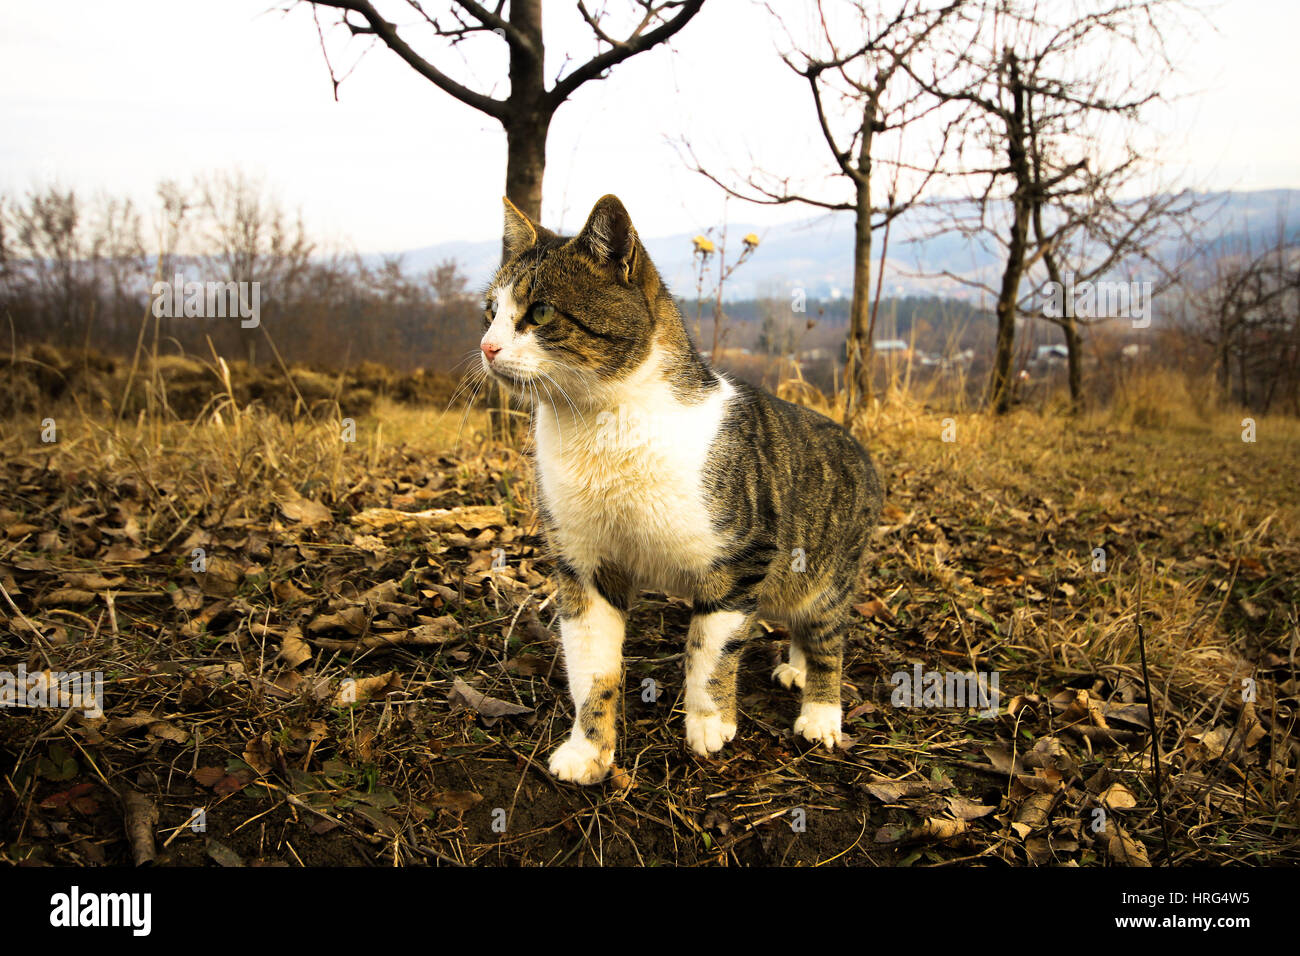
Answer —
(609, 239)
(520, 232)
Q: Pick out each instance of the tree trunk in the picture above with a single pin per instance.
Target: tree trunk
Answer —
(526, 163)
(857, 368)
(1073, 347)
(528, 116)
(999, 395)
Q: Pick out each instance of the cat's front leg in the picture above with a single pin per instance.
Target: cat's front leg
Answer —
(591, 633)
(713, 650)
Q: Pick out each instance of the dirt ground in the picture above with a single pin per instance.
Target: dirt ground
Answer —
(348, 682)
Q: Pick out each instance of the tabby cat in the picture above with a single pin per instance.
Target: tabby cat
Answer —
(656, 471)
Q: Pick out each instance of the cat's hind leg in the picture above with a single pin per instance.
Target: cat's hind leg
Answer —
(591, 634)
(713, 648)
(791, 674)
(818, 644)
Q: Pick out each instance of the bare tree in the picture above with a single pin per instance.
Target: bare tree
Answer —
(525, 113)
(1039, 79)
(49, 244)
(1243, 304)
(861, 93)
(248, 237)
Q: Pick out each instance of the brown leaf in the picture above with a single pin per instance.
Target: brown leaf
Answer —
(1208, 744)
(875, 609)
(1002, 760)
(164, 730)
(364, 688)
(490, 707)
(208, 776)
(92, 581)
(527, 665)
(67, 797)
(1118, 797)
(457, 800)
(1033, 813)
(124, 725)
(258, 755)
(187, 598)
(964, 809)
(377, 818)
(220, 577)
(306, 512)
(293, 649)
(350, 619)
(1126, 849)
(62, 597)
(124, 553)
(866, 707)
(286, 592)
(620, 779)
(470, 518)
(892, 791)
(233, 782)
(223, 854)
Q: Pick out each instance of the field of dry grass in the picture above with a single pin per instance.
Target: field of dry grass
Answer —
(345, 683)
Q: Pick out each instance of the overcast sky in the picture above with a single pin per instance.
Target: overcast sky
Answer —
(116, 96)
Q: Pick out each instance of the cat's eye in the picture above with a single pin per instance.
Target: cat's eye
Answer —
(541, 313)
(489, 309)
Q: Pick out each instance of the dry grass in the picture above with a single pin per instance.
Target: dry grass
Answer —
(985, 563)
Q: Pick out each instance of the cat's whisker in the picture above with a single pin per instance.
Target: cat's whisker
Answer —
(482, 379)
(565, 394)
(554, 409)
(461, 385)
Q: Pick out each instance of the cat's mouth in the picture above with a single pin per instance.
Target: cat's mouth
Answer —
(509, 378)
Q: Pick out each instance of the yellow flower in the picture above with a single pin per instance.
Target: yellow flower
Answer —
(703, 246)
(751, 241)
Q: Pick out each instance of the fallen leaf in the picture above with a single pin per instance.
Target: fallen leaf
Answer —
(457, 800)
(258, 755)
(964, 809)
(306, 512)
(223, 854)
(1118, 797)
(61, 597)
(165, 730)
(1126, 849)
(489, 707)
(875, 609)
(360, 690)
(207, 776)
(891, 791)
(293, 649)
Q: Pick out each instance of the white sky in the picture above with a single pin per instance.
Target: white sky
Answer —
(116, 96)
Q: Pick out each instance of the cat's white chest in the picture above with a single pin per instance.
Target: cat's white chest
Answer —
(625, 486)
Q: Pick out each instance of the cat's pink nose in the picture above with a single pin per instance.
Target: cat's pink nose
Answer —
(489, 350)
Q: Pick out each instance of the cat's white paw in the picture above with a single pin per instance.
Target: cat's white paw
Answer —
(787, 675)
(706, 733)
(820, 724)
(578, 761)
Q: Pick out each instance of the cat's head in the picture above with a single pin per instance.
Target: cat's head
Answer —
(578, 313)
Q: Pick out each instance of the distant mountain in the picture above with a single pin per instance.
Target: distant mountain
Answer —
(816, 254)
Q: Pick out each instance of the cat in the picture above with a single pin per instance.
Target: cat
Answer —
(655, 471)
